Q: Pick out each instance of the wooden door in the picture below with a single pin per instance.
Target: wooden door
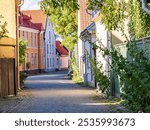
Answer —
(7, 77)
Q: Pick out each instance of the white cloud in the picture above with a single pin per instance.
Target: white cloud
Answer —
(31, 5)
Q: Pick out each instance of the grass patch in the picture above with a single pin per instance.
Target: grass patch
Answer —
(104, 99)
(115, 104)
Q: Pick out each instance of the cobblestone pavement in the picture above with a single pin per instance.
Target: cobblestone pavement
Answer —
(55, 93)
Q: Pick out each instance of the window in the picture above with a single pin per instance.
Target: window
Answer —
(35, 40)
(23, 34)
(48, 62)
(31, 38)
(27, 35)
(47, 48)
(32, 59)
(43, 59)
(27, 57)
(42, 39)
(60, 61)
(49, 35)
(35, 59)
(53, 62)
(50, 48)
(53, 49)
(57, 61)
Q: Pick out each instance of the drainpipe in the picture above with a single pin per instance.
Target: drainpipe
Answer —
(144, 7)
(17, 86)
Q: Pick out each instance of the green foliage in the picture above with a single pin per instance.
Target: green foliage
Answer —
(114, 13)
(133, 71)
(28, 65)
(3, 30)
(71, 4)
(76, 75)
(63, 15)
(23, 76)
(139, 21)
(101, 79)
(22, 50)
(134, 74)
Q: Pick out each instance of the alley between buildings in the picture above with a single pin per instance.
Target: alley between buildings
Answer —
(55, 93)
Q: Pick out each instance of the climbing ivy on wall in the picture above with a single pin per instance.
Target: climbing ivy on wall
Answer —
(101, 78)
(134, 71)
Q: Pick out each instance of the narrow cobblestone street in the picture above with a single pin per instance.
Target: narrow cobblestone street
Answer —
(55, 93)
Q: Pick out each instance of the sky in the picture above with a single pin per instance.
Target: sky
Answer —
(30, 5)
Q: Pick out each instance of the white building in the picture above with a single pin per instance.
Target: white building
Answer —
(62, 56)
(95, 32)
(50, 47)
(87, 36)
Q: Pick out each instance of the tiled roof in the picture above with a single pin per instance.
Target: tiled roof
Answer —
(38, 17)
(61, 49)
(25, 21)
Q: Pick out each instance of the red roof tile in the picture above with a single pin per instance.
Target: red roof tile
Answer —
(61, 49)
(25, 21)
(38, 17)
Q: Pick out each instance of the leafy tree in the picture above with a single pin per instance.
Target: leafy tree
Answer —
(114, 13)
(139, 21)
(3, 30)
(22, 50)
(63, 15)
(71, 4)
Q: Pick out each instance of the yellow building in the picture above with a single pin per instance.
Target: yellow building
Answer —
(8, 48)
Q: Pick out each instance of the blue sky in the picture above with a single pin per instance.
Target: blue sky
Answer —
(30, 5)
